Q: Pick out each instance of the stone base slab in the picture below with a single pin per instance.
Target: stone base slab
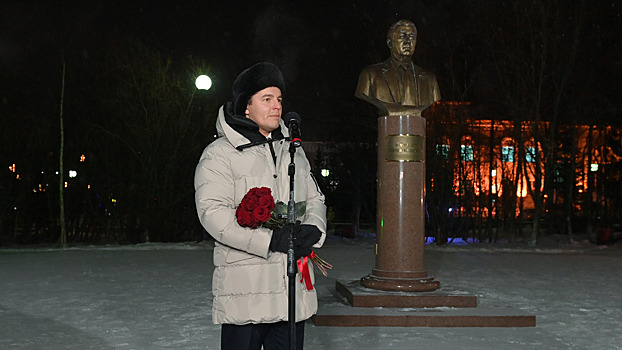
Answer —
(480, 317)
(426, 284)
(335, 310)
(359, 296)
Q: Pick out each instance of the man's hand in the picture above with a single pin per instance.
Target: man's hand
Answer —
(305, 239)
(280, 238)
(306, 236)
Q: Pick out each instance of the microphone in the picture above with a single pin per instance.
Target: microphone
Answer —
(292, 120)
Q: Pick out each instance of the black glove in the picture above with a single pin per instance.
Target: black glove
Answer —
(280, 238)
(305, 239)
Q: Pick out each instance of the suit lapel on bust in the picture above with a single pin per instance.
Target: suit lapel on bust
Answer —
(390, 78)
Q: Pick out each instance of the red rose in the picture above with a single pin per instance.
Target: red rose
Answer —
(263, 191)
(266, 201)
(253, 192)
(249, 202)
(245, 217)
(261, 214)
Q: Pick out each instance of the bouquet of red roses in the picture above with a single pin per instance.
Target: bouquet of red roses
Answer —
(259, 209)
(255, 208)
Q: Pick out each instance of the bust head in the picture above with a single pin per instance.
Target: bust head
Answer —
(402, 39)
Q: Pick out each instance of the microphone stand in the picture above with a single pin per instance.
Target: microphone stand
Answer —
(291, 264)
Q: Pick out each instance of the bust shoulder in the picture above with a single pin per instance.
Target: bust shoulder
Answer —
(377, 68)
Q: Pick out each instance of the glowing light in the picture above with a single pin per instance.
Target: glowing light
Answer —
(113, 200)
(12, 168)
(203, 82)
(594, 167)
(325, 172)
(66, 184)
(493, 172)
(82, 158)
(73, 173)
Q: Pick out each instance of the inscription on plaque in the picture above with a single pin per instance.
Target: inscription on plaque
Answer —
(405, 148)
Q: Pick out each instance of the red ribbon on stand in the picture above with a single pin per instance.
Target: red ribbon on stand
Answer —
(303, 267)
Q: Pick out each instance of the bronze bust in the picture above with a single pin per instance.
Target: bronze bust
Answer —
(397, 86)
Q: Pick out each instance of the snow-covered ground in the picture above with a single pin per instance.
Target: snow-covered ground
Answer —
(158, 296)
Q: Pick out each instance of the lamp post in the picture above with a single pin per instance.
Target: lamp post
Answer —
(203, 83)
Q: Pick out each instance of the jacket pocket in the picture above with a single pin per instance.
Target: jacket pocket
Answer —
(237, 256)
(268, 278)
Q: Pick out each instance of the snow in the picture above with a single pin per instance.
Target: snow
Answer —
(158, 296)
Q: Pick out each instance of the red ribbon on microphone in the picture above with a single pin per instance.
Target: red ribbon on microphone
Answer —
(303, 267)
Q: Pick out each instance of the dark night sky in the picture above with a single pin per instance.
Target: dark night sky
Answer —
(320, 48)
(230, 36)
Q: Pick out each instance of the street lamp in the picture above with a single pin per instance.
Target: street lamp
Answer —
(203, 82)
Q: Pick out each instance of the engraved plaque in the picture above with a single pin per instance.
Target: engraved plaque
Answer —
(405, 148)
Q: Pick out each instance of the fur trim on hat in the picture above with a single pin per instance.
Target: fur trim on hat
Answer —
(252, 80)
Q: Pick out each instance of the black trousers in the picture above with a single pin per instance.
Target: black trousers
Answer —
(272, 336)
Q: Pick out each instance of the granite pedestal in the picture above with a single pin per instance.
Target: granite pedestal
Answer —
(399, 292)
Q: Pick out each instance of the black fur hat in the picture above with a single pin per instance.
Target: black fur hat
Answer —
(253, 79)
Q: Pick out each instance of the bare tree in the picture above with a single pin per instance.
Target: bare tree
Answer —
(533, 55)
(61, 164)
(152, 121)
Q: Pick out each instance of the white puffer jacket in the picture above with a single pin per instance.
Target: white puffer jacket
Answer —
(250, 282)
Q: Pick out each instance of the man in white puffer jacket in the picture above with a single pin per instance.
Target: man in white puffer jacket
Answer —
(250, 277)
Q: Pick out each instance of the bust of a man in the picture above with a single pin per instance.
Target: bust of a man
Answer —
(397, 86)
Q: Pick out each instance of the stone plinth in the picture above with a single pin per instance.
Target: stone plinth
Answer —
(359, 296)
(480, 317)
(352, 305)
(400, 219)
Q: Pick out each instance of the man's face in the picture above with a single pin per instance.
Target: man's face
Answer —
(403, 41)
(265, 109)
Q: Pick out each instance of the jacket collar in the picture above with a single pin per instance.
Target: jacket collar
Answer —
(241, 131)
